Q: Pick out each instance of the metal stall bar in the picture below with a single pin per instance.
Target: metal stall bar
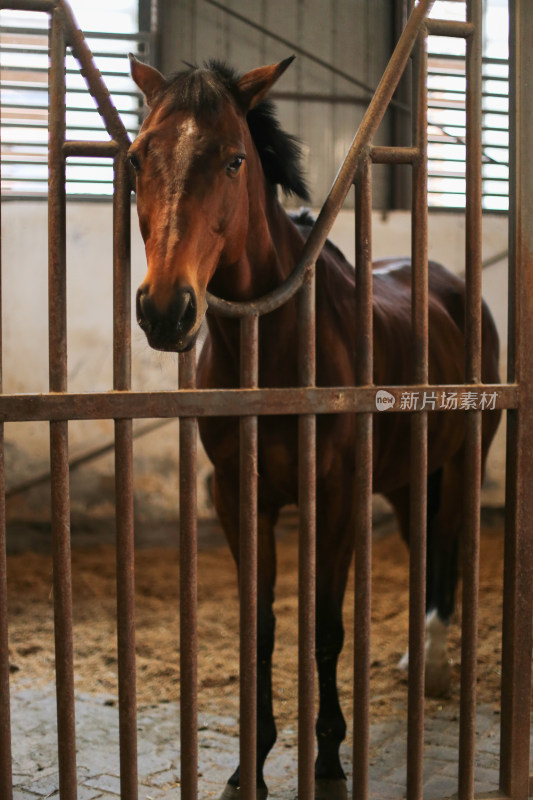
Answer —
(188, 438)
(249, 327)
(29, 5)
(306, 544)
(91, 149)
(6, 776)
(472, 462)
(121, 382)
(235, 402)
(363, 482)
(419, 428)
(125, 546)
(60, 499)
(518, 560)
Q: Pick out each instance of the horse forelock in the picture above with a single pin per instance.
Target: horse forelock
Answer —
(204, 91)
(196, 90)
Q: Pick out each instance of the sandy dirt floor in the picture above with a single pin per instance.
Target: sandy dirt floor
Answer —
(157, 587)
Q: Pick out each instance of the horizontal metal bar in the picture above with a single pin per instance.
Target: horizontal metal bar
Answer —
(28, 5)
(448, 27)
(100, 149)
(236, 402)
(393, 155)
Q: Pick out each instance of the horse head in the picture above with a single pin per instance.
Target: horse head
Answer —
(194, 160)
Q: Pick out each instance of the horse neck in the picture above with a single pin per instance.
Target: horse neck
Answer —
(272, 245)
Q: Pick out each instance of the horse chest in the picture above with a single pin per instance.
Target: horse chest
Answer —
(278, 458)
(277, 452)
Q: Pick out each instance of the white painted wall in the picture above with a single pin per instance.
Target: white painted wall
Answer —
(89, 304)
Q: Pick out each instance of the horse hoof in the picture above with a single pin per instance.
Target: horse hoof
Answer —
(234, 793)
(334, 789)
(438, 678)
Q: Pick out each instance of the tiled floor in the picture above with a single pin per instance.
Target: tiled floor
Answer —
(35, 752)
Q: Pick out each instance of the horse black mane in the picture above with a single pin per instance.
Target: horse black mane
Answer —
(203, 90)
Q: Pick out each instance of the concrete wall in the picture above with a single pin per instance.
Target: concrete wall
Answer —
(89, 247)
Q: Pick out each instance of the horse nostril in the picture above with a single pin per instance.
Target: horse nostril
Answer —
(185, 310)
(143, 310)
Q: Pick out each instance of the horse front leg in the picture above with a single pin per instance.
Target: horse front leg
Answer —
(226, 503)
(333, 563)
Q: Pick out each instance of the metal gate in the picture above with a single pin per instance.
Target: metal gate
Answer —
(122, 405)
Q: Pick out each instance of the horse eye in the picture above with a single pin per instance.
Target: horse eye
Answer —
(134, 161)
(235, 165)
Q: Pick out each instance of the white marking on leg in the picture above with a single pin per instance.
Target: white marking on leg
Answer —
(438, 671)
(436, 638)
(436, 649)
(403, 663)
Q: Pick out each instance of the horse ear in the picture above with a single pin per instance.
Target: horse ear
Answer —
(255, 85)
(148, 79)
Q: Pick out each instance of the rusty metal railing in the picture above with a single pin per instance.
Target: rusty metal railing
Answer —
(188, 403)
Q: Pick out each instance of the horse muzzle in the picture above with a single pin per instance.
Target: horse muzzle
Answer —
(173, 328)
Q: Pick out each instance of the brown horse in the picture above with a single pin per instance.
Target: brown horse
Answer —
(208, 160)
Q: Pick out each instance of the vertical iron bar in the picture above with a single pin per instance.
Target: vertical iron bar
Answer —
(5, 714)
(363, 483)
(401, 129)
(62, 580)
(472, 464)
(248, 565)
(59, 469)
(306, 547)
(518, 560)
(124, 485)
(188, 437)
(418, 485)
(473, 192)
(470, 598)
(6, 777)
(56, 210)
